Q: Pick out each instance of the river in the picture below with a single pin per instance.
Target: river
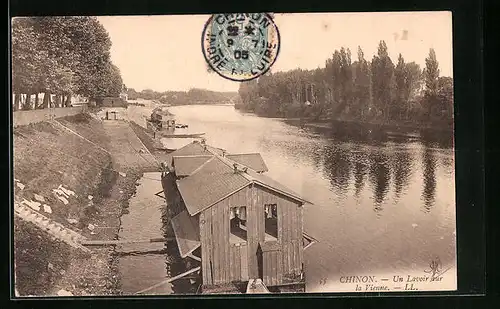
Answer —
(382, 208)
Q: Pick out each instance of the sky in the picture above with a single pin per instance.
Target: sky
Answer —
(164, 52)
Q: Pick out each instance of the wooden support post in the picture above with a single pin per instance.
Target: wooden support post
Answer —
(122, 241)
(194, 257)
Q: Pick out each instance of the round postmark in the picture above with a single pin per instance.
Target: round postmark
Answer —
(240, 47)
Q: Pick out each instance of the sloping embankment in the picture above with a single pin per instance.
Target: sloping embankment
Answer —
(46, 156)
(152, 144)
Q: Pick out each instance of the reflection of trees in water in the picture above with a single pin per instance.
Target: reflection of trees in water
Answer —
(379, 176)
(448, 164)
(318, 156)
(429, 190)
(359, 177)
(298, 150)
(337, 167)
(359, 163)
(437, 139)
(401, 165)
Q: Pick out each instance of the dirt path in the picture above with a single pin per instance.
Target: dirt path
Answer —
(127, 150)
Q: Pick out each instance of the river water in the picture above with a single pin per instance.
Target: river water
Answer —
(142, 265)
(380, 207)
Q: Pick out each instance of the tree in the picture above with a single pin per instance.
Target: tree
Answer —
(248, 94)
(26, 60)
(333, 76)
(62, 56)
(116, 82)
(360, 90)
(132, 94)
(361, 70)
(93, 44)
(445, 97)
(60, 59)
(345, 81)
(413, 82)
(431, 74)
(382, 70)
(402, 86)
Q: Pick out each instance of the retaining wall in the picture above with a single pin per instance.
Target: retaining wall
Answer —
(21, 118)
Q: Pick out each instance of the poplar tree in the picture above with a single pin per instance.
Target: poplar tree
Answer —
(382, 70)
(431, 74)
(362, 83)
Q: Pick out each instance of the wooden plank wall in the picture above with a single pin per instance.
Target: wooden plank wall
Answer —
(289, 236)
(225, 260)
(214, 237)
(272, 266)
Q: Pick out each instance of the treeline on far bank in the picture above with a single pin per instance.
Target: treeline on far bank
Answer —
(62, 56)
(376, 91)
(193, 96)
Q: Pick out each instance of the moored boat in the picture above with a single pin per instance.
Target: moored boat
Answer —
(410, 135)
(186, 135)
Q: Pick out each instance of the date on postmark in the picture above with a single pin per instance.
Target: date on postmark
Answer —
(240, 47)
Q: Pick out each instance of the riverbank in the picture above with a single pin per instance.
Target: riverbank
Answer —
(99, 163)
(378, 125)
(175, 264)
(393, 125)
(151, 142)
(378, 132)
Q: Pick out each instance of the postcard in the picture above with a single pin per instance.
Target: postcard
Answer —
(252, 153)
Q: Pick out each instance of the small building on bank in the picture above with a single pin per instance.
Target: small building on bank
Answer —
(239, 224)
(124, 96)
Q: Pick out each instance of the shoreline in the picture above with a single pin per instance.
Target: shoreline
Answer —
(379, 125)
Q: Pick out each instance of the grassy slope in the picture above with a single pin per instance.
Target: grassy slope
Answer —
(46, 156)
(33, 250)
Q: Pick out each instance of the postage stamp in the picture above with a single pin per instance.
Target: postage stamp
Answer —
(240, 47)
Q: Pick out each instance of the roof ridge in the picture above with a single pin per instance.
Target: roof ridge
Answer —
(242, 153)
(201, 166)
(252, 179)
(193, 156)
(231, 163)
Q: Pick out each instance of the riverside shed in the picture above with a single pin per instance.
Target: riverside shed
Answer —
(244, 224)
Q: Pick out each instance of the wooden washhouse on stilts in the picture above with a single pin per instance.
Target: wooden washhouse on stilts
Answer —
(244, 225)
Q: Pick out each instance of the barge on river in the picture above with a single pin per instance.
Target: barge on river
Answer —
(163, 123)
(243, 229)
(160, 119)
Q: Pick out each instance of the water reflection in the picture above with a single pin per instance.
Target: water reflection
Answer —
(392, 163)
(429, 175)
(379, 176)
(337, 167)
(401, 165)
(377, 136)
(360, 169)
